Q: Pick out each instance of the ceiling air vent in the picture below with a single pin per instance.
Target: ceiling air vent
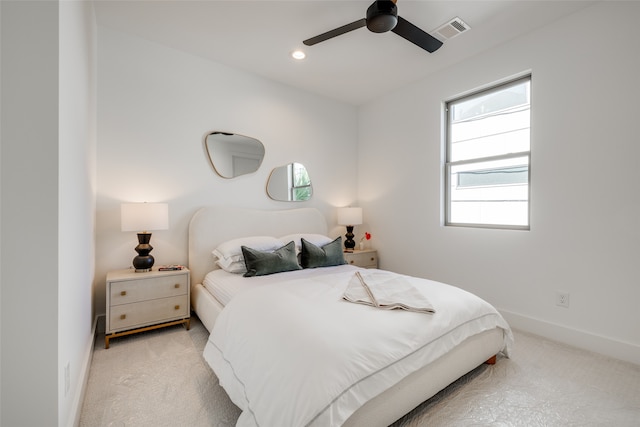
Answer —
(451, 29)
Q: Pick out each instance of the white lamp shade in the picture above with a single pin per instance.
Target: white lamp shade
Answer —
(350, 216)
(144, 216)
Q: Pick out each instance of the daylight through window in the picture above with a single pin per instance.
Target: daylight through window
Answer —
(300, 183)
(488, 158)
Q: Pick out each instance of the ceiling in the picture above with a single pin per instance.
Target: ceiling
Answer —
(258, 36)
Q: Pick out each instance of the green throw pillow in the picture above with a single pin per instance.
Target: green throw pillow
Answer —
(325, 256)
(260, 263)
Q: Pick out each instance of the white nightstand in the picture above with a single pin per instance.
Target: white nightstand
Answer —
(367, 258)
(138, 302)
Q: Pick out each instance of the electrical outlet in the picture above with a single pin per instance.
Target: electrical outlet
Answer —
(67, 378)
(562, 299)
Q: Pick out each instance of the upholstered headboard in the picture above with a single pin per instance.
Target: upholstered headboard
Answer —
(213, 225)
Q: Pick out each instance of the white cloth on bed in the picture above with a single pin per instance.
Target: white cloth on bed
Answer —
(386, 290)
(295, 354)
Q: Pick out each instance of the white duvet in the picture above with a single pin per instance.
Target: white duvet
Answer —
(294, 353)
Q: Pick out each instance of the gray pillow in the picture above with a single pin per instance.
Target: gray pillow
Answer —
(260, 263)
(324, 256)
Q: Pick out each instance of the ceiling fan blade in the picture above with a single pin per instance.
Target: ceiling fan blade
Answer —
(337, 32)
(416, 36)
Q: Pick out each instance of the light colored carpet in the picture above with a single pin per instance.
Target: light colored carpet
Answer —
(159, 378)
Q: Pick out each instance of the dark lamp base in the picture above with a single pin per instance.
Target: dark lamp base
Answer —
(349, 243)
(143, 262)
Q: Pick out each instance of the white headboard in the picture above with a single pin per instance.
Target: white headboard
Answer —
(213, 225)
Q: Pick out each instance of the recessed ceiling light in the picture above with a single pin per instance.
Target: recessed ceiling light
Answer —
(298, 54)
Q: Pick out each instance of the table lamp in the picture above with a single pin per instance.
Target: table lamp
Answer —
(145, 217)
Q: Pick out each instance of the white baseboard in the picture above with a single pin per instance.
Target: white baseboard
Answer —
(588, 341)
(84, 376)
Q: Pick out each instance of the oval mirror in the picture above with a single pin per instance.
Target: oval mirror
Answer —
(232, 155)
(290, 183)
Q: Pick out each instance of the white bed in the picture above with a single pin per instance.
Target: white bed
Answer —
(211, 226)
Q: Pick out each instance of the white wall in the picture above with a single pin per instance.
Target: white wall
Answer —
(156, 104)
(1, 224)
(584, 237)
(48, 204)
(76, 197)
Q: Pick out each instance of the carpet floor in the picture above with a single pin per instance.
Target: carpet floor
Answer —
(159, 378)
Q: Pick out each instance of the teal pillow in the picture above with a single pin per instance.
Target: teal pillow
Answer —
(260, 263)
(327, 255)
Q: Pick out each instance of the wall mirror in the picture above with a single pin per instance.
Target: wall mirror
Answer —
(233, 155)
(290, 183)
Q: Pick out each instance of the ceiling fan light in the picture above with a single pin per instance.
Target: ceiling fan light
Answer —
(382, 16)
(382, 23)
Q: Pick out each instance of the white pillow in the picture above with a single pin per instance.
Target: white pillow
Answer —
(317, 239)
(229, 254)
(238, 267)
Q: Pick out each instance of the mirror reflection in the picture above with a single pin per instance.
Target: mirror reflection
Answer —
(233, 155)
(290, 183)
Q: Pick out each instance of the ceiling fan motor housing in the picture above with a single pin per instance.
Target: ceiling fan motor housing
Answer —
(382, 16)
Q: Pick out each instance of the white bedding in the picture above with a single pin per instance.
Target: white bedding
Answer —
(291, 352)
(224, 285)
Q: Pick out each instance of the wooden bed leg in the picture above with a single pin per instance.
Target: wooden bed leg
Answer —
(491, 360)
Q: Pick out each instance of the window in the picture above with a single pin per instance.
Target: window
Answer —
(300, 183)
(488, 157)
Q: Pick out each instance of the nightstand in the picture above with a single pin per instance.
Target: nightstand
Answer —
(138, 302)
(366, 258)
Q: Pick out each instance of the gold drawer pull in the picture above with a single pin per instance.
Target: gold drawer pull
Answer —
(177, 285)
(123, 293)
(373, 259)
(123, 316)
(351, 262)
(177, 307)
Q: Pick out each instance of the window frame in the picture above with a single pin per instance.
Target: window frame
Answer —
(448, 164)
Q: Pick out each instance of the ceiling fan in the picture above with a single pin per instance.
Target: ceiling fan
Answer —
(382, 16)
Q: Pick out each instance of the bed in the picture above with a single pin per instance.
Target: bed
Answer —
(279, 380)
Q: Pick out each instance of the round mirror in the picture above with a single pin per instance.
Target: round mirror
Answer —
(233, 155)
(290, 183)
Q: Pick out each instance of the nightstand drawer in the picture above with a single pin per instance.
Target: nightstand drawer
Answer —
(130, 291)
(365, 259)
(147, 312)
